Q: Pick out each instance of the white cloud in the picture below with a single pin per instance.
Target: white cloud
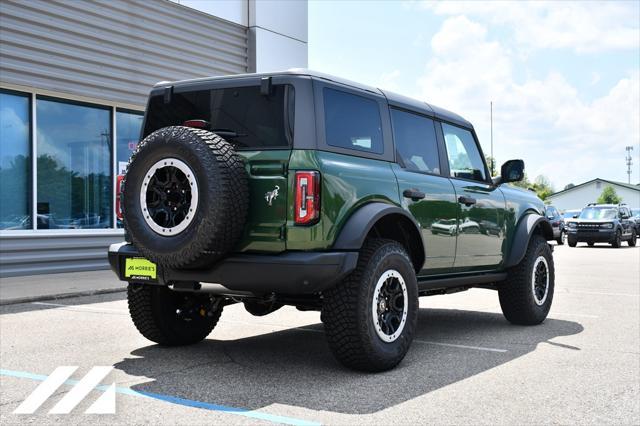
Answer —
(543, 120)
(388, 80)
(583, 26)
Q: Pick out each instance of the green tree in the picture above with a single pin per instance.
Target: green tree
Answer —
(609, 196)
(543, 187)
(491, 163)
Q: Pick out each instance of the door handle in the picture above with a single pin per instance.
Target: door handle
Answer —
(414, 194)
(467, 201)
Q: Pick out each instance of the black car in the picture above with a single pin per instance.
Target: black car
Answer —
(557, 223)
(635, 216)
(602, 223)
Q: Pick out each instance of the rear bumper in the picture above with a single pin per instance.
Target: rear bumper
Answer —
(287, 273)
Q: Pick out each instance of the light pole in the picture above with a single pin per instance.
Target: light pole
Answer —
(629, 162)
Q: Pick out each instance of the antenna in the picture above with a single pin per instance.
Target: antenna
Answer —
(629, 162)
(493, 166)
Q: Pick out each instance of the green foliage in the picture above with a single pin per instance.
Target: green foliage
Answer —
(609, 196)
(491, 163)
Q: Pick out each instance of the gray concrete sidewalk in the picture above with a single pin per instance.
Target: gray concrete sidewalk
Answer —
(55, 286)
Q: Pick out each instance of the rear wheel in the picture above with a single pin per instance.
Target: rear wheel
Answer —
(527, 293)
(371, 317)
(590, 243)
(561, 238)
(633, 239)
(172, 318)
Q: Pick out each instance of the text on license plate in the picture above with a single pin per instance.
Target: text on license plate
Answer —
(139, 268)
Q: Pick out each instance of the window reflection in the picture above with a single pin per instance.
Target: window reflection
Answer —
(128, 126)
(15, 162)
(74, 166)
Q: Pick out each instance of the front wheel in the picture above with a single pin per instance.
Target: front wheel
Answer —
(370, 318)
(617, 240)
(633, 239)
(171, 318)
(527, 293)
(572, 242)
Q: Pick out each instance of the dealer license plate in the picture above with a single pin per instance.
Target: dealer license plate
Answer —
(139, 269)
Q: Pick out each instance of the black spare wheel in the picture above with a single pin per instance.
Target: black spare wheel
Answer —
(186, 197)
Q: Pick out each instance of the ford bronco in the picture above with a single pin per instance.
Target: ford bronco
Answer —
(299, 188)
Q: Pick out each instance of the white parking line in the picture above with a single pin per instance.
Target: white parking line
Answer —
(303, 328)
(603, 293)
(80, 308)
(477, 348)
(565, 314)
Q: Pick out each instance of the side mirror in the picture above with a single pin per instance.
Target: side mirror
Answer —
(511, 171)
(575, 216)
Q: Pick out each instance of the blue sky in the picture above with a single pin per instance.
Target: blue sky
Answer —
(563, 76)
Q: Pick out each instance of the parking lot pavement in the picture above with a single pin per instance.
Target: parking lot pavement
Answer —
(467, 363)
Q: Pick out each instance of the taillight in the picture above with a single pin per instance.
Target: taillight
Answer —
(119, 188)
(199, 124)
(307, 206)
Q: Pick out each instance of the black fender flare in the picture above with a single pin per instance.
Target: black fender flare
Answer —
(522, 236)
(355, 230)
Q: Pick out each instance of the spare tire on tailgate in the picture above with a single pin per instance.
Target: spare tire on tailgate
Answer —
(185, 197)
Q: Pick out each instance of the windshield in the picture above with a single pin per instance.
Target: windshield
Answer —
(241, 115)
(598, 213)
(635, 212)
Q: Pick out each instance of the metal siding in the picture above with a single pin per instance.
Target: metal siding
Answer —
(114, 50)
(42, 254)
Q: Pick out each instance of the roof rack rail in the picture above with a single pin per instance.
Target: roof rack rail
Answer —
(592, 204)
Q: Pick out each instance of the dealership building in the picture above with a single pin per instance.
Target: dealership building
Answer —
(74, 77)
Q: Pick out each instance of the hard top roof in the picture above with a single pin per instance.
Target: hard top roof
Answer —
(393, 98)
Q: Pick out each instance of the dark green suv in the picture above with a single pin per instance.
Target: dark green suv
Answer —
(302, 189)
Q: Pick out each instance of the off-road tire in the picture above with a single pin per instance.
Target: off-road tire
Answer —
(516, 295)
(633, 239)
(617, 240)
(153, 311)
(347, 310)
(222, 206)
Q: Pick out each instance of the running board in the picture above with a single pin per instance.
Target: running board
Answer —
(460, 283)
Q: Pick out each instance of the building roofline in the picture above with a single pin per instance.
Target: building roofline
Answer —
(624, 185)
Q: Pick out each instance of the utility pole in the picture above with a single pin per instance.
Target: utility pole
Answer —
(628, 159)
(493, 166)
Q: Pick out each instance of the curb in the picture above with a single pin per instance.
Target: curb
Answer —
(19, 300)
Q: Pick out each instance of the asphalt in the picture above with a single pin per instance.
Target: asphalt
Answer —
(57, 286)
(467, 364)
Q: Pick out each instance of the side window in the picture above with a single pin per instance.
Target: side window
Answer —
(352, 121)
(415, 139)
(464, 157)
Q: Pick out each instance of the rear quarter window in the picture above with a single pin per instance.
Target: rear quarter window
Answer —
(352, 121)
(259, 121)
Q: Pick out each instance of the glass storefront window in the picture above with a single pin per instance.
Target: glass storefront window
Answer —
(74, 165)
(15, 162)
(128, 126)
